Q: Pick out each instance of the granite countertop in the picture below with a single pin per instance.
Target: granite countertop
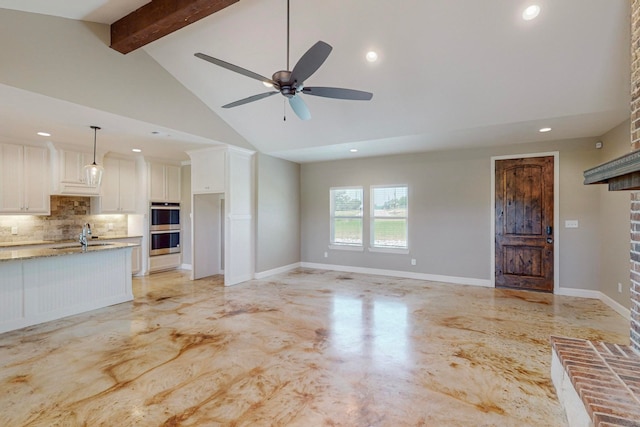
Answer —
(50, 242)
(63, 249)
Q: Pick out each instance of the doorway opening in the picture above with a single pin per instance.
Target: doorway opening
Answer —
(207, 235)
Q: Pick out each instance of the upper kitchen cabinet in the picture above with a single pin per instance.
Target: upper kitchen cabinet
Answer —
(24, 181)
(208, 171)
(164, 183)
(70, 178)
(118, 188)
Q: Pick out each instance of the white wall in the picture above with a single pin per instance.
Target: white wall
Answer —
(185, 220)
(450, 209)
(71, 60)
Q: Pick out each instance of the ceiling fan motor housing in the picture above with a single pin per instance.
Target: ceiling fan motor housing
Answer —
(286, 86)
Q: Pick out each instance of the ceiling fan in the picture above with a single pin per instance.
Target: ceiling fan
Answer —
(291, 83)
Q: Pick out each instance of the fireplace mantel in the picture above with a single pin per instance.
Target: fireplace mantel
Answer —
(621, 174)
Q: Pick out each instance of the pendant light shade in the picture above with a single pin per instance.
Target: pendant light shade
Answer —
(93, 172)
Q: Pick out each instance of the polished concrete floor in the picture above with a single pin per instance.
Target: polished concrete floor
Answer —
(307, 348)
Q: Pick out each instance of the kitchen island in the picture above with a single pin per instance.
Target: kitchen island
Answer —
(39, 285)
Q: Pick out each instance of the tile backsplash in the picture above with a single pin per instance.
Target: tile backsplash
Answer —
(68, 214)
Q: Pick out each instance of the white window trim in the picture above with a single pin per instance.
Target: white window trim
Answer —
(372, 218)
(344, 246)
(390, 250)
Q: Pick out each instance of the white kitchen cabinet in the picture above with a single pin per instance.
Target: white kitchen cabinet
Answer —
(24, 180)
(136, 252)
(208, 171)
(118, 192)
(71, 179)
(164, 183)
(229, 173)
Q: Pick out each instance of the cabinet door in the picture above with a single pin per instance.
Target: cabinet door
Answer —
(11, 178)
(71, 166)
(127, 187)
(36, 181)
(156, 182)
(110, 186)
(208, 172)
(173, 183)
(136, 260)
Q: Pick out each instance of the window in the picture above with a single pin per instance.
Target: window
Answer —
(389, 210)
(346, 216)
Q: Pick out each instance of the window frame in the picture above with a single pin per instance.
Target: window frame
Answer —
(372, 220)
(359, 247)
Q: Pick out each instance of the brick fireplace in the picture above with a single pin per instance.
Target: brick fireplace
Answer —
(599, 383)
(623, 174)
(635, 196)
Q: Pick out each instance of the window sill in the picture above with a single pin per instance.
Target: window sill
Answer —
(347, 248)
(399, 251)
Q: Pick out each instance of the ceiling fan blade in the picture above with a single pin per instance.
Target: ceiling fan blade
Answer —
(234, 68)
(249, 99)
(310, 62)
(299, 107)
(338, 93)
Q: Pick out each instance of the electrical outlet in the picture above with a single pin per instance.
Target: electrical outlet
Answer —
(14, 230)
(619, 287)
(326, 254)
(571, 223)
(110, 226)
(413, 261)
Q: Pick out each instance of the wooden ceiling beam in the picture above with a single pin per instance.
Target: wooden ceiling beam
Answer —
(158, 18)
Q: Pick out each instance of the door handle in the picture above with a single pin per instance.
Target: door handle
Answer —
(549, 230)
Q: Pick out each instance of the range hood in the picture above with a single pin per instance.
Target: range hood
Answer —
(621, 174)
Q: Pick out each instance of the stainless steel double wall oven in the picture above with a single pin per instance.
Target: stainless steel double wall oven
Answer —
(164, 228)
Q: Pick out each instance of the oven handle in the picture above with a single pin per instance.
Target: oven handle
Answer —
(166, 208)
(166, 232)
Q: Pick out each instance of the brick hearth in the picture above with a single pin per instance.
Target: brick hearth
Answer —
(597, 383)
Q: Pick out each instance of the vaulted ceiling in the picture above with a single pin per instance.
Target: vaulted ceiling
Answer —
(450, 73)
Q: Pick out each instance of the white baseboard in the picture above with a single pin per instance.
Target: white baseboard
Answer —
(619, 308)
(587, 293)
(185, 267)
(283, 269)
(404, 274)
(575, 292)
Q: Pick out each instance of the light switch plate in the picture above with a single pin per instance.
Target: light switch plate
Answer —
(14, 230)
(571, 223)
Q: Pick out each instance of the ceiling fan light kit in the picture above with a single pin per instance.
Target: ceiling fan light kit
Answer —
(290, 84)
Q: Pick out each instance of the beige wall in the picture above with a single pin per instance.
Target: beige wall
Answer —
(450, 210)
(277, 213)
(614, 223)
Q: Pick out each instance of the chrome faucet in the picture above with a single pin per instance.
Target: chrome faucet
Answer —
(86, 231)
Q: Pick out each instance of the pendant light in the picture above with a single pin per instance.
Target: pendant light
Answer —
(93, 172)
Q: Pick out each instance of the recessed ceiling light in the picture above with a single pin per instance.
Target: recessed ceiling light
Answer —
(531, 12)
(136, 150)
(44, 134)
(354, 150)
(543, 130)
(371, 56)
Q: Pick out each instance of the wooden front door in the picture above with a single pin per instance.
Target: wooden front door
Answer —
(524, 223)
